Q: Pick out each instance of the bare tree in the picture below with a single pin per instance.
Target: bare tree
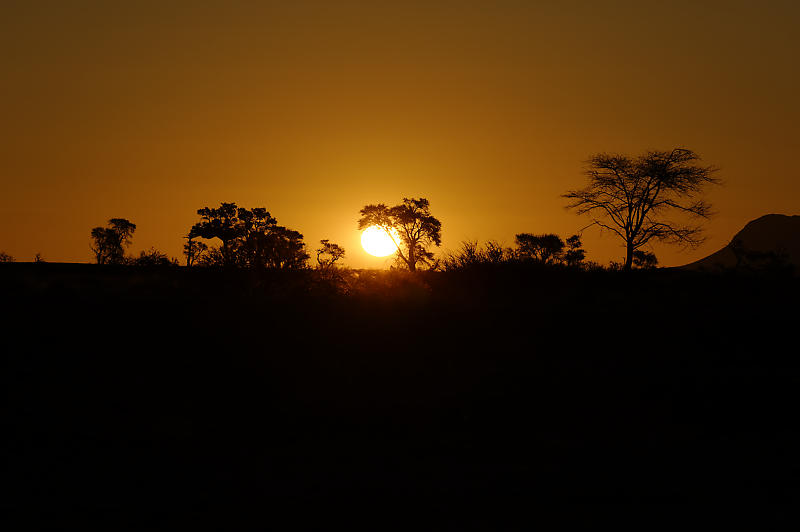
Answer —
(413, 223)
(639, 198)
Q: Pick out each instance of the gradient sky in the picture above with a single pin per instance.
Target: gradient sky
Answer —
(151, 110)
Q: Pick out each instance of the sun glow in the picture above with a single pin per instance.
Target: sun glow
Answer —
(377, 242)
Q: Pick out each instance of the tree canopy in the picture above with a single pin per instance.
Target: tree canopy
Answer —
(250, 238)
(109, 243)
(544, 248)
(328, 253)
(413, 223)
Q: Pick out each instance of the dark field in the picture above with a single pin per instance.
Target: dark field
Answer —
(189, 390)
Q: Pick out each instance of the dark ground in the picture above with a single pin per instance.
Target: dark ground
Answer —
(190, 390)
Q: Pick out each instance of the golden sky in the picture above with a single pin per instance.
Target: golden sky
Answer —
(151, 110)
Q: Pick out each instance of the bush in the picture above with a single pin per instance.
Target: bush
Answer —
(153, 257)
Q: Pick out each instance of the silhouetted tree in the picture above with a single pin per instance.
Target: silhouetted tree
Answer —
(109, 243)
(222, 223)
(250, 238)
(264, 243)
(545, 248)
(193, 250)
(280, 248)
(574, 254)
(644, 260)
(5, 257)
(412, 222)
(328, 254)
(635, 197)
(38, 259)
(256, 237)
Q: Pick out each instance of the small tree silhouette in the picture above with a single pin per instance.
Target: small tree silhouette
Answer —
(575, 253)
(328, 254)
(109, 243)
(545, 248)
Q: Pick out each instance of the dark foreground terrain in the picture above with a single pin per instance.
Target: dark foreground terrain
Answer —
(187, 391)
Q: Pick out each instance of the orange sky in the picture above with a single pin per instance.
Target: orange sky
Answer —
(151, 110)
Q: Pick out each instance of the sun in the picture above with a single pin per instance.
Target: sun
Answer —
(377, 242)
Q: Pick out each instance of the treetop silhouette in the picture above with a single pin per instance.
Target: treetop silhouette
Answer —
(109, 242)
(328, 253)
(413, 222)
(250, 238)
(546, 248)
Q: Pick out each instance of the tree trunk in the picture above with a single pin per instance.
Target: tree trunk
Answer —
(226, 255)
(189, 253)
(412, 261)
(629, 256)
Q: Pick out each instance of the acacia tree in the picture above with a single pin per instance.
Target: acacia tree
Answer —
(109, 242)
(250, 238)
(411, 222)
(221, 222)
(638, 198)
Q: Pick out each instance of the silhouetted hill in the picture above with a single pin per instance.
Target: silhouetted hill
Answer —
(770, 241)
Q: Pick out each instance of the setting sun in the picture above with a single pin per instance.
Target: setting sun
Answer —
(377, 242)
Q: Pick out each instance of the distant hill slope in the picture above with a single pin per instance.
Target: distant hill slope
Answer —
(773, 239)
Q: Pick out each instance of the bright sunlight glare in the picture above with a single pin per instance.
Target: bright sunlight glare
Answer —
(377, 242)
